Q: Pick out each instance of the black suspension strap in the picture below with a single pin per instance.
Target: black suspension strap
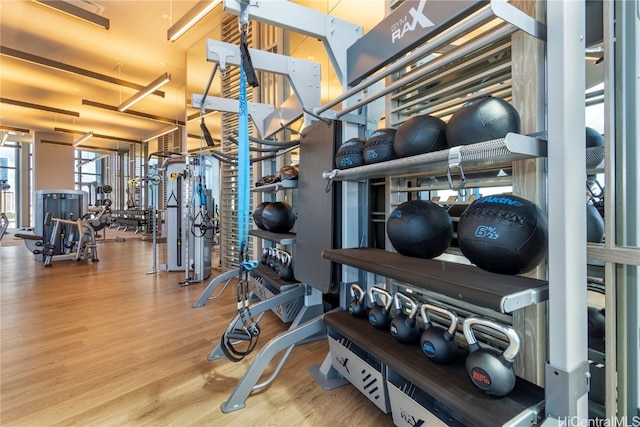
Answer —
(249, 330)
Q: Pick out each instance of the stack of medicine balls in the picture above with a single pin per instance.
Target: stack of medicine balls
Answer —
(503, 234)
(483, 119)
(277, 217)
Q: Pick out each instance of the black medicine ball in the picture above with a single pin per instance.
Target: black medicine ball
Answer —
(278, 217)
(595, 225)
(349, 155)
(420, 134)
(594, 139)
(481, 120)
(257, 214)
(503, 234)
(419, 229)
(379, 147)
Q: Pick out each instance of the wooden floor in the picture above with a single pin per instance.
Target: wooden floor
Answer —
(107, 344)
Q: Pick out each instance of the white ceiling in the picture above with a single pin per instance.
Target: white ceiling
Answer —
(134, 49)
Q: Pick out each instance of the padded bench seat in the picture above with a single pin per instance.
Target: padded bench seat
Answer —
(29, 236)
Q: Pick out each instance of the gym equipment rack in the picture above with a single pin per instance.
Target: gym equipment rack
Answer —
(566, 388)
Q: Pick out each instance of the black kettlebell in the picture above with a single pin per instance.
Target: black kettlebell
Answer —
(437, 343)
(285, 272)
(271, 260)
(489, 369)
(380, 315)
(356, 306)
(279, 263)
(403, 326)
(265, 256)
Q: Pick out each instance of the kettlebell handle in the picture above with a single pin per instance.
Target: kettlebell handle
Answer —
(514, 340)
(285, 257)
(414, 305)
(450, 314)
(389, 298)
(357, 288)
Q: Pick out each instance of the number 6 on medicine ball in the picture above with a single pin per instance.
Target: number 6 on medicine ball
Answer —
(349, 155)
(503, 234)
(379, 146)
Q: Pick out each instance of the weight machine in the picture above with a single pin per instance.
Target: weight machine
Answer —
(153, 179)
(77, 237)
(4, 221)
(191, 225)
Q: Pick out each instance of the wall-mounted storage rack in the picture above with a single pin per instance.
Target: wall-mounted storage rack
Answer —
(281, 238)
(496, 154)
(282, 185)
(500, 292)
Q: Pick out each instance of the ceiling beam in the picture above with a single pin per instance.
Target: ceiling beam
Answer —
(39, 107)
(76, 12)
(14, 129)
(39, 60)
(97, 135)
(83, 148)
(132, 112)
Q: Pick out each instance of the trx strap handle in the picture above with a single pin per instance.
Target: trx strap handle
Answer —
(247, 65)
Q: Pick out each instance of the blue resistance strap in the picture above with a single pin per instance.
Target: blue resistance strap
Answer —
(243, 172)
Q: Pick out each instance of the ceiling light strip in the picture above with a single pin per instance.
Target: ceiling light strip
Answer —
(143, 93)
(39, 107)
(132, 112)
(190, 18)
(95, 159)
(3, 141)
(158, 135)
(75, 12)
(98, 135)
(84, 147)
(197, 115)
(39, 60)
(83, 138)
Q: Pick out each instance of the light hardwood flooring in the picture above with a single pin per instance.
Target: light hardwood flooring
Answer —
(106, 344)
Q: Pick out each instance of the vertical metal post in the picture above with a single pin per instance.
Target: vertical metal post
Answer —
(611, 293)
(566, 383)
(154, 214)
(627, 207)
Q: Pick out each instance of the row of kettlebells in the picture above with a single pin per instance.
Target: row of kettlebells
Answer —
(279, 261)
(489, 369)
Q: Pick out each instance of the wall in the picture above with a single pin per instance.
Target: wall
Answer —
(53, 162)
